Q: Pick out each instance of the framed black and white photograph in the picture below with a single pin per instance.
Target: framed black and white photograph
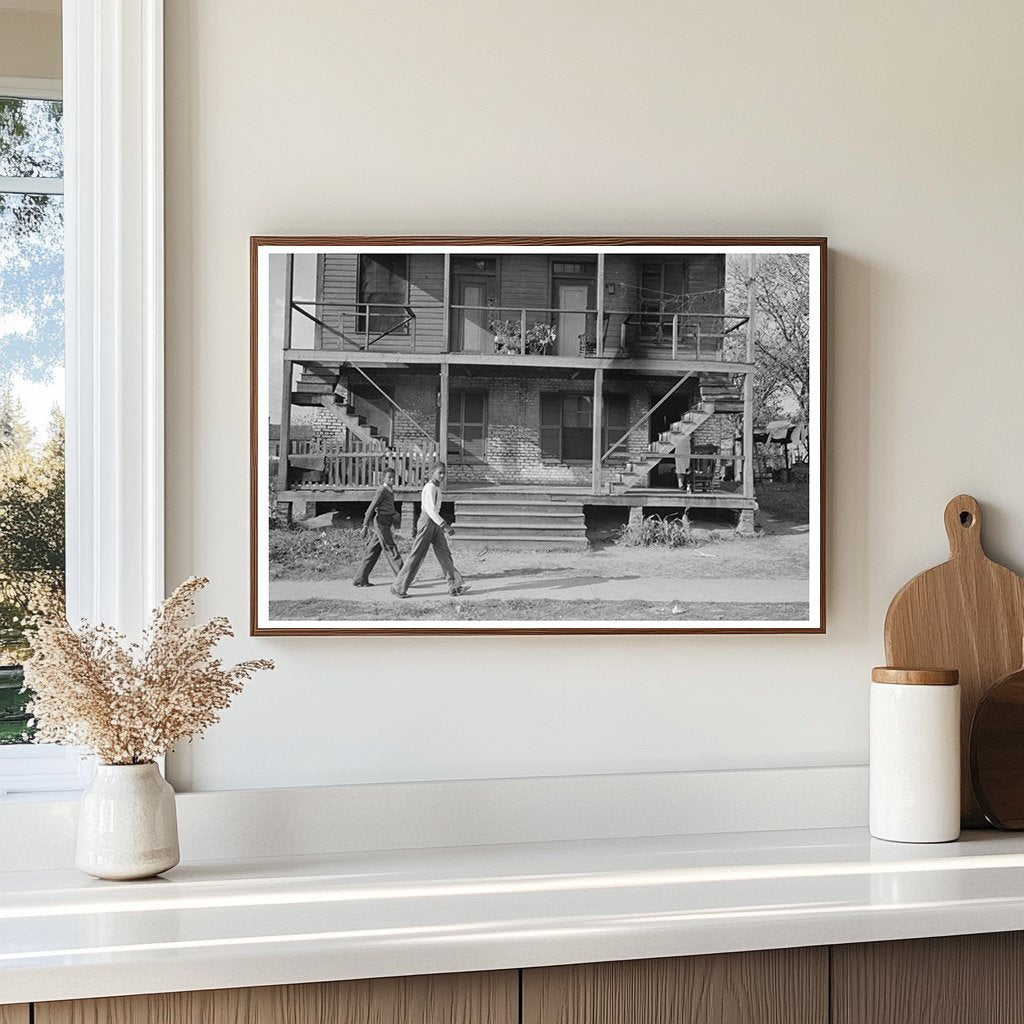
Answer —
(469, 435)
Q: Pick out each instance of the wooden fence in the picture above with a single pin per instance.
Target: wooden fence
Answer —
(355, 463)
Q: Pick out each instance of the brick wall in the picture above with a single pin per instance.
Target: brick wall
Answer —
(512, 448)
(326, 427)
(719, 427)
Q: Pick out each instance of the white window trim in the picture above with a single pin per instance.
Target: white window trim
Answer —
(113, 167)
(32, 88)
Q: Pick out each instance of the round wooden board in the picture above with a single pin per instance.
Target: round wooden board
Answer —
(997, 752)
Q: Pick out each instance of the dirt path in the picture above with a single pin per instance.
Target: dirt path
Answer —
(568, 587)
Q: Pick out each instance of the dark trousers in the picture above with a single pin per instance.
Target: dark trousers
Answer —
(381, 539)
(430, 535)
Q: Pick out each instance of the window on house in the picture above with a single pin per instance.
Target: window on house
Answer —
(567, 425)
(562, 268)
(384, 286)
(616, 421)
(31, 391)
(467, 426)
(487, 265)
(662, 293)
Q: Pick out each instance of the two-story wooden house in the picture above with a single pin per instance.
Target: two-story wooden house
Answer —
(548, 382)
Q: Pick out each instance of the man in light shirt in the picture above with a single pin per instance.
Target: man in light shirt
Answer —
(433, 533)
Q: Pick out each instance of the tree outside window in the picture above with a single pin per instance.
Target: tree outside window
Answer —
(31, 386)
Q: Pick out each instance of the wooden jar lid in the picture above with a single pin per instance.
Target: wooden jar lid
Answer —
(916, 676)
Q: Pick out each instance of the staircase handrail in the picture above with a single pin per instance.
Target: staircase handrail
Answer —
(377, 387)
(654, 408)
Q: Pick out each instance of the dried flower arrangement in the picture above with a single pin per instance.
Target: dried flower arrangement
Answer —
(130, 703)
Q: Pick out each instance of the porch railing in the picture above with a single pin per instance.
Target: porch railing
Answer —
(359, 325)
(356, 464)
(547, 331)
(531, 330)
(691, 335)
(523, 330)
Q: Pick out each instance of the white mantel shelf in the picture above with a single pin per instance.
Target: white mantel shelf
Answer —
(226, 924)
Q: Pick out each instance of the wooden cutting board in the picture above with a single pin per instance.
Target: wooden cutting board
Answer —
(967, 614)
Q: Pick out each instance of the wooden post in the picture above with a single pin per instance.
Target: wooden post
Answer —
(599, 329)
(675, 335)
(289, 298)
(748, 387)
(598, 417)
(446, 327)
(442, 419)
(286, 423)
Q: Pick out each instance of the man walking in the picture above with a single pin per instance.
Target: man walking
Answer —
(433, 533)
(377, 524)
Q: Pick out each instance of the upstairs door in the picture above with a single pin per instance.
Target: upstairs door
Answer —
(572, 318)
(473, 333)
(474, 292)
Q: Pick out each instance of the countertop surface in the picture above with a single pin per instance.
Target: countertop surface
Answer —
(226, 924)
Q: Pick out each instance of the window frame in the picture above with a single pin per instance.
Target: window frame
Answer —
(112, 90)
(389, 322)
(460, 456)
(650, 332)
(606, 430)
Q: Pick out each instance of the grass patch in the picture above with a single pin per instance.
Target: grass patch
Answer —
(519, 609)
(308, 554)
(780, 500)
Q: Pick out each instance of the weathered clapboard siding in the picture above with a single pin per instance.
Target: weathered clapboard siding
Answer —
(338, 281)
(525, 281)
(426, 288)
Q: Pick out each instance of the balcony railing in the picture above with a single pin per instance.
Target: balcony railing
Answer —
(530, 330)
(523, 330)
(359, 325)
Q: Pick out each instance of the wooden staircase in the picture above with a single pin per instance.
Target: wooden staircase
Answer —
(510, 519)
(323, 386)
(717, 394)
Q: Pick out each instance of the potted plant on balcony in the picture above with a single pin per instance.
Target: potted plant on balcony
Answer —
(540, 339)
(506, 337)
(128, 704)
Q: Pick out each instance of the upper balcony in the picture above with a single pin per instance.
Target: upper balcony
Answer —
(497, 332)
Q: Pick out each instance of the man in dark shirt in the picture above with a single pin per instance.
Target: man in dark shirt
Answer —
(377, 524)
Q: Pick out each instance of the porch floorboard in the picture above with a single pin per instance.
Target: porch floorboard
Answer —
(664, 496)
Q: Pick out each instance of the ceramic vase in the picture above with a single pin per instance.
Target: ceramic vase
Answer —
(127, 825)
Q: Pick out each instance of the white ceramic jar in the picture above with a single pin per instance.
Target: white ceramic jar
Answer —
(127, 823)
(915, 755)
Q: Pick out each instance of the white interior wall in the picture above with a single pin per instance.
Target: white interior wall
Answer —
(895, 129)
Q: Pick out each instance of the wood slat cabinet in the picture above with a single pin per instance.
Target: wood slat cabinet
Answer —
(776, 986)
(962, 979)
(480, 998)
(972, 979)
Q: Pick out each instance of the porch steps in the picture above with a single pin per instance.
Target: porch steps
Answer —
(726, 396)
(519, 520)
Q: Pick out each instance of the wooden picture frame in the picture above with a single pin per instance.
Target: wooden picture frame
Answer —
(349, 379)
